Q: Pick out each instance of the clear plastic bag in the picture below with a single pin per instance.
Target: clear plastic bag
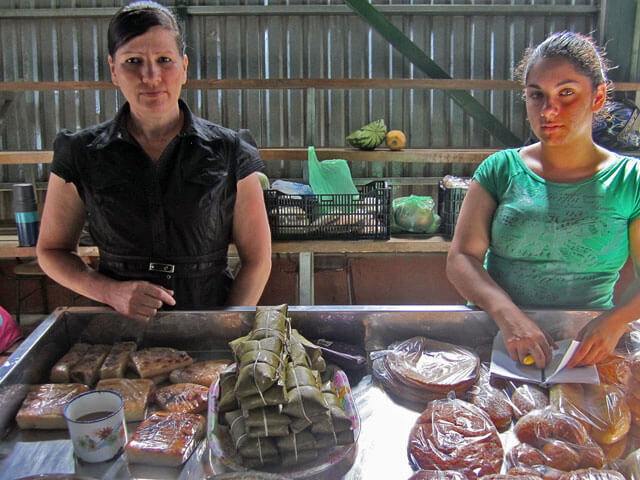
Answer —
(415, 214)
(452, 434)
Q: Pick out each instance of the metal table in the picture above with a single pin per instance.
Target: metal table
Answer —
(383, 438)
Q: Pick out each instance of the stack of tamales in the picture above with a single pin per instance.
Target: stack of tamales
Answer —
(275, 403)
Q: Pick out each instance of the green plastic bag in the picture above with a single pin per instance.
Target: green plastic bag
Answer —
(414, 214)
(329, 176)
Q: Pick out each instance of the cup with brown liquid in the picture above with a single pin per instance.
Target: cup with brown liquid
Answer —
(96, 425)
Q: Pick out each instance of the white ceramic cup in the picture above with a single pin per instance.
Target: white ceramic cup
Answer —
(96, 439)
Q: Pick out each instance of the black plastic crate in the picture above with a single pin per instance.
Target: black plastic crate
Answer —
(449, 203)
(361, 216)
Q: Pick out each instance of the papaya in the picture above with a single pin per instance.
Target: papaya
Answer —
(396, 140)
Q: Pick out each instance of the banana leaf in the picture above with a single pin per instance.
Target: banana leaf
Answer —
(240, 346)
(296, 442)
(228, 400)
(298, 376)
(276, 395)
(269, 322)
(305, 402)
(325, 440)
(254, 378)
(292, 458)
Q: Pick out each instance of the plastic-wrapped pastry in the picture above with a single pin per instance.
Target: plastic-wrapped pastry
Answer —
(203, 373)
(87, 370)
(455, 435)
(154, 361)
(182, 397)
(528, 397)
(165, 438)
(116, 362)
(603, 409)
(42, 408)
(60, 371)
(136, 393)
(494, 401)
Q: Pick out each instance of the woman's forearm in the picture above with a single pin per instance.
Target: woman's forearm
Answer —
(70, 271)
(249, 283)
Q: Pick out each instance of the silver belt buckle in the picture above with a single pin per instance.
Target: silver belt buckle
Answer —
(161, 267)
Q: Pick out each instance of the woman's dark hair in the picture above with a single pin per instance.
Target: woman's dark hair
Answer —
(136, 19)
(578, 49)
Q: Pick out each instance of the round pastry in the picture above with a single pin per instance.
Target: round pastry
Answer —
(614, 451)
(567, 428)
(591, 455)
(527, 397)
(560, 455)
(614, 370)
(427, 364)
(634, 365)
(551, 473)
(534, 427)
(593, 474)
(455, 435)
(524, 471)
(437, 475)
(609, 412)
(508, 476)
(494, 403)
(525, 454)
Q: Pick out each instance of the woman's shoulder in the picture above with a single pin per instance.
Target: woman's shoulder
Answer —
(211, 131)
(84, 137)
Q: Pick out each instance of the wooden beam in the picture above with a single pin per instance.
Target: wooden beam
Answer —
(299, 83)
(442, 155)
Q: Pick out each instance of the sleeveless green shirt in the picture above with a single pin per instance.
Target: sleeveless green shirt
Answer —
(559, 245)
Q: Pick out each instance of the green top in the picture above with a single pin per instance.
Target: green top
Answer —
(559, 245)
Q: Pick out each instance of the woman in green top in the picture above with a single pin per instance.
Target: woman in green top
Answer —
(551, 224)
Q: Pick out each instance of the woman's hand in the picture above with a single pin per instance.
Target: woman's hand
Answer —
(598, 340)
(139, 300)
(522, 337)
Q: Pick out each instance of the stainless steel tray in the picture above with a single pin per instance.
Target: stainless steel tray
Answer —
(385, 425)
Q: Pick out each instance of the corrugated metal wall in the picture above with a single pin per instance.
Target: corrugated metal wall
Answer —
(302, 39)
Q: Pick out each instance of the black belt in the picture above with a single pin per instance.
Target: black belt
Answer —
(179, 266)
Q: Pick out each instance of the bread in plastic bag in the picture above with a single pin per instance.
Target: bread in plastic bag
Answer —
(421, 369)
(603, 409)
(437, 475)
(527, 397)
(493, 401)
(452, 434)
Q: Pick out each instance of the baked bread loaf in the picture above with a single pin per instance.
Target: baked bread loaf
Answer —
(136, 393)
(602, 407)
(561, 455)
(43, 406)
(437, 475)
(165, 439)
(493, 401)
(60, 371)
(182, 397)
(117, 360)
(202, 373)
(87, 370)
(528, 397)
(155, 361)
(593, 474)
(455, 435)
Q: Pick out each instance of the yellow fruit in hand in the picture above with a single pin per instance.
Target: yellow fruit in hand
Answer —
(396, 140)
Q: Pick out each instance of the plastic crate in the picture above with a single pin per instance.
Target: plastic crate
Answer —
(361, 216)
(449, 203)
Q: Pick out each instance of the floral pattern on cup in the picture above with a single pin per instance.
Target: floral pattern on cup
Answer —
(100, 438)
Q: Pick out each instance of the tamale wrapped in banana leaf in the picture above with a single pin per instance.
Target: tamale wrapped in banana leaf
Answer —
(276, 395)
(266, 422)
(296, 442)
(300, 424)
(240, 346)
(254, 378)
(325, 440)
(248, 447)
(228, 400)
(305, 402)
(298, 376)
(292, 458)
(313, 352)
(262, 356)
(339, 419)
(269, 322)
(256, 462)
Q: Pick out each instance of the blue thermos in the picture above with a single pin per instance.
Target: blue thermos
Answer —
(25, 210)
